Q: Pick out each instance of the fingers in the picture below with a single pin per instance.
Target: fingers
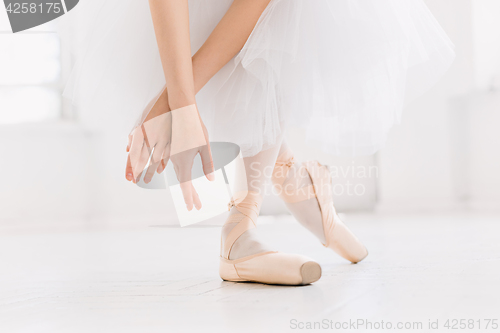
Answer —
(158, 152)
(136, 180)
(156, 161)
(183, 164)
(164, 159)
(128, 170)
(129, 142)
(136, 150)
(151, 171)
(196, 198)
(162, 166)
(191, 197)
(141, 163)
(206, 160)
(187, 192)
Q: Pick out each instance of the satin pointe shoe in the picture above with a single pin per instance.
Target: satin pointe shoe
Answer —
(338, 237)
(270, 267)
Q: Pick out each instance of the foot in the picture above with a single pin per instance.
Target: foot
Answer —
(297, 179)
(245, 258)
(248, 243)
(307, 192)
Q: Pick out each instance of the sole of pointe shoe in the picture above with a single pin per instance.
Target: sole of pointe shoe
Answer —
(311, 272)
(308, 272)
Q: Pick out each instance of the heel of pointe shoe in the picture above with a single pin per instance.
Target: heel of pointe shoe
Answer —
(346, 244)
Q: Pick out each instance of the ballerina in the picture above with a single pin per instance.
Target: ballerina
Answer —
(242, 71)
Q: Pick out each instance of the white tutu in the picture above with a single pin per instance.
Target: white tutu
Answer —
(343, 70)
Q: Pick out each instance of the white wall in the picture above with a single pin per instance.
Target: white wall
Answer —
(486, 42)
(417, 164)
(61, 170)
(45, 171)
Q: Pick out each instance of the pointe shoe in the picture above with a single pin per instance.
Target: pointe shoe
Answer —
(270, 267)
(338, 237)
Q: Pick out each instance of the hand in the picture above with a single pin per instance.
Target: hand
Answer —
(178, 135)
(150, 139)
(156, 108)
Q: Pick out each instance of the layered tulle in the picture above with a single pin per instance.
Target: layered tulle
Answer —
(342, 70)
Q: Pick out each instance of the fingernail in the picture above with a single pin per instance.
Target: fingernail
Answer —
(189, 209)
(211, 176)
(129, 175)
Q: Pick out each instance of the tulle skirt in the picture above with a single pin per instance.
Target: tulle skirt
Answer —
(342, 70)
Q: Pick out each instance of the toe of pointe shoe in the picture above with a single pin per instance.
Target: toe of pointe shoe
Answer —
(345, 243)
(362, 257)
(310, 272)
(353, 252)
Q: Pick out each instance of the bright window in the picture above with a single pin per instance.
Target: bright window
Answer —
(30, 73)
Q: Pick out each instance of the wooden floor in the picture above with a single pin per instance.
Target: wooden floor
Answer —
(165, 279)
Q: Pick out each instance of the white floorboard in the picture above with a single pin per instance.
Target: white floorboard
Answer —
(165, 279)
